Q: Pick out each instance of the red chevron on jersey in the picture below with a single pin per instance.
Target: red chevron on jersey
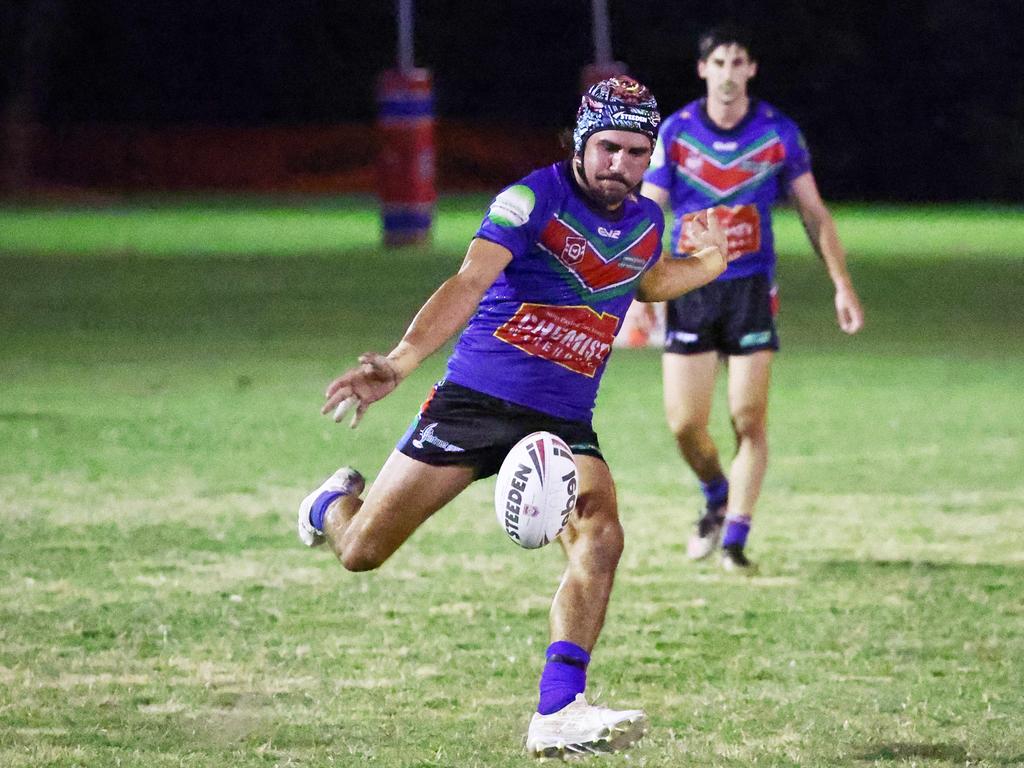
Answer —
(726, 178)
(577, 338)
(595, 272)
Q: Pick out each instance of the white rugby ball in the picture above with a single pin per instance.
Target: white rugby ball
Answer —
(536, 489)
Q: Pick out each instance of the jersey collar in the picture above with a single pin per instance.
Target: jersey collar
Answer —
(711, 125)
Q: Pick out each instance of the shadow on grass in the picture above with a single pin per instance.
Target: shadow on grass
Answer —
(859, 567)
(901, 750)
(952, 753)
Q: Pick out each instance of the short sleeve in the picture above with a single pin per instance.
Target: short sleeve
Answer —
(798, 156)
(514, 216)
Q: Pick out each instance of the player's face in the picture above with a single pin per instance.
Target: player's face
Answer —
(726, 71)
(613, 165)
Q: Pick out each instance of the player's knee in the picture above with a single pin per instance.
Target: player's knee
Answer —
(687, 431)
(356, 556)
(602, 540)
(608, 543)
(750, 423)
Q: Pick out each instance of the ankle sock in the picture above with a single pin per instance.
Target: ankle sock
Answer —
(736, 529)
(716, 492)
(564, 676)
(319, 508)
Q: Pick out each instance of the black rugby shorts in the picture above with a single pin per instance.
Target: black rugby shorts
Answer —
(458, 426)
(732, 317)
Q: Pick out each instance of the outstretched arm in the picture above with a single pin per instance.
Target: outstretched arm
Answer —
(443, 314)
(821, 231)
(670, 277)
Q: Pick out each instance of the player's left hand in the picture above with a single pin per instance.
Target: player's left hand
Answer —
(848, 310)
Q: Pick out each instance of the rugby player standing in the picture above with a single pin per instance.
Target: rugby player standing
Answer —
(739, 155)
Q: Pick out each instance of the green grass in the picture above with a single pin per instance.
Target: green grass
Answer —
(160, 376)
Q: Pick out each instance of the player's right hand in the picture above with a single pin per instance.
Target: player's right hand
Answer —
(711, 244)
(374, 378)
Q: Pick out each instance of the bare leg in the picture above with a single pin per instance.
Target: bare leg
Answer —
(565, 725)
(749, 378)
(689, 387)
(593, 543)
(363, 534)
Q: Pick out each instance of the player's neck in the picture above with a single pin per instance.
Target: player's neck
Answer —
(728, 115)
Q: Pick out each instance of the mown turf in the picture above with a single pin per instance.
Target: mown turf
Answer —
(158, 424)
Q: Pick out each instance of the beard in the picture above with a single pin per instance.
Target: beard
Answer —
(609, 195)
(601, 193)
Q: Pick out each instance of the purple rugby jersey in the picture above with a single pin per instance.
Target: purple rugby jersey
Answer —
(742, 172)
(543, 331)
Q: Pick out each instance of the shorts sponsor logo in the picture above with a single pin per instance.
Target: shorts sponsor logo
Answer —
(742, 225)
(755, 338)
(577, 338)
(427, 436)
(512, 207)
(684, 336)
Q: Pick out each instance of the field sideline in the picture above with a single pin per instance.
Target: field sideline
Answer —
(161, 369)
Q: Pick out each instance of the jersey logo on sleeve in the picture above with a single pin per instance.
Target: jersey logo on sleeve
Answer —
(512, 207)
(596, 270)
(720, 175)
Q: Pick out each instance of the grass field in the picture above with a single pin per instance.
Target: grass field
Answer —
(161, 368)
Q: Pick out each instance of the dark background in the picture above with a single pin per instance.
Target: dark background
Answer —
(899, 101)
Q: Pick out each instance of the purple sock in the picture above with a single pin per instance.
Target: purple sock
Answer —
(565, 675)
(319, 508)
(716, 492)
(736, 530)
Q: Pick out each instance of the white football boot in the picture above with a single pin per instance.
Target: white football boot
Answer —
(707, 533)
(345, 481)
(580, 728)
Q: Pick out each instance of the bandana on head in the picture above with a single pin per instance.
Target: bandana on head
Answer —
(618, 103)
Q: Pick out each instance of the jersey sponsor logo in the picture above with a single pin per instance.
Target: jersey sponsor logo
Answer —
(719, 177)
(512, 207)
(611, 234)
(427, 436)
(588, 268)
(577, 338)
(742, 225)
(725, 146)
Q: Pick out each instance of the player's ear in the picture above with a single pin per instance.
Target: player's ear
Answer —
(753, 68)
(702, 69)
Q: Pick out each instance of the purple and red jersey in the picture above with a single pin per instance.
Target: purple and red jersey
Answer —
(741, 172)
(543, 331)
